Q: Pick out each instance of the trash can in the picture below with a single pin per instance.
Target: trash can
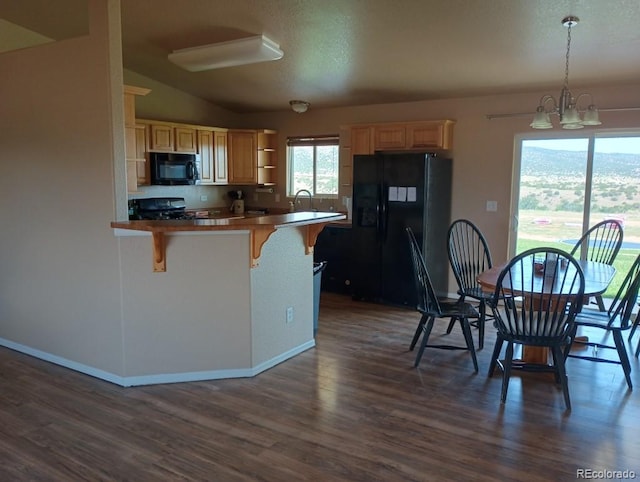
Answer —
(318, 268)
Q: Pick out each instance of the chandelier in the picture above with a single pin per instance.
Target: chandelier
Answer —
(567, 106)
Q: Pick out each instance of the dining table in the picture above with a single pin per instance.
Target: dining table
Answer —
(597, 277)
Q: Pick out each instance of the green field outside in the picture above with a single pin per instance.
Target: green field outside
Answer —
(564, 226)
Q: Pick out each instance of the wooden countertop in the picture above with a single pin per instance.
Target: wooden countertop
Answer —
(251, 221)
(260, 227)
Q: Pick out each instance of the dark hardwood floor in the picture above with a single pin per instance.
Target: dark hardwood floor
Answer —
(352, 409)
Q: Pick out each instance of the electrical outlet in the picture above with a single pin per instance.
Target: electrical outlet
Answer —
(204, 198)
(289, 314)
(492, 206)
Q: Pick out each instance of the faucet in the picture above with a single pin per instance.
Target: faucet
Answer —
(295, 199)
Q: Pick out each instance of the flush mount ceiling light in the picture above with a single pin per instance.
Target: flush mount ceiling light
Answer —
(249, 50)
(299, 106)
(567, 106)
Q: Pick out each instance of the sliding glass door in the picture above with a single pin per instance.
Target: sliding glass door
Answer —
(564, 185)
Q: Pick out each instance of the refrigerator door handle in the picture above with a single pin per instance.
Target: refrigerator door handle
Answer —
(383, 213)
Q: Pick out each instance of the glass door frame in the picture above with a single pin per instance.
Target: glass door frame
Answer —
(591, 135)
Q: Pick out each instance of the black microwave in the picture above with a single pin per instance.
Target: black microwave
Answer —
(173, 168)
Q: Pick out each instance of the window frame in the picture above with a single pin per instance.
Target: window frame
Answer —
(312, 141)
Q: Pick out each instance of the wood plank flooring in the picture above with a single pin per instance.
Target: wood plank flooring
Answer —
(351, 409)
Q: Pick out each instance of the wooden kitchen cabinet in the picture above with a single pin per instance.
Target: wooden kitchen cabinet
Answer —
(212, 148)
(141, 147)
(130, 135)
(389, 137)
(220, 158)
(170, 137)
(402, 136)
(243, 162)
(430, 135)
(185, 138)
(161, 137)
(361, 140)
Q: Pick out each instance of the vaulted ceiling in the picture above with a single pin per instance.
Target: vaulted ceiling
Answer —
(355, 52)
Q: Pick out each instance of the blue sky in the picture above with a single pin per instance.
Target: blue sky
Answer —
(626, 145)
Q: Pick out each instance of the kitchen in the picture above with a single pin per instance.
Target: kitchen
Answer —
(67, 280)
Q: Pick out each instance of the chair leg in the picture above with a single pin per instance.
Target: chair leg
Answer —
(452, 322)
(425, 338)
(561, 374)
(494, 357)
(600, 303)
(506, 375)
(638, 349)
(624, 358)
(418, 332)
(481, 321)
(569, 344)
(466, 331)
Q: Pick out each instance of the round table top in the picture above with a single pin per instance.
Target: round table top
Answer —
(597, 277)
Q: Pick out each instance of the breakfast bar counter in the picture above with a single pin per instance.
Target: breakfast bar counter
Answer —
(260, 227)
(236, 297)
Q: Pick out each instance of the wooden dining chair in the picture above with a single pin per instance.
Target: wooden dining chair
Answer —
(431, 308)
(551, 297)
(601, 243)
(614, 321)
(469, 256)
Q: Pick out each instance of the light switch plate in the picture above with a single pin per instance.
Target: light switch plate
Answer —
(492, 206)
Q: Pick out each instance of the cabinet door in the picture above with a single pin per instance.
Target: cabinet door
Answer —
(431, 135)
(221, 167)
(243, 164)
(389, 137)
(185, 139)
(161, 137)
(334, 246)
(205, 149)
(361, 141)
(142, 167)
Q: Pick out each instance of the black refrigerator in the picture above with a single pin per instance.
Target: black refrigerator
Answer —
(391, 192)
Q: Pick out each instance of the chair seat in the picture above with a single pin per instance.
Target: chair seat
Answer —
(477, 293)
(600, 320)
(458, 308)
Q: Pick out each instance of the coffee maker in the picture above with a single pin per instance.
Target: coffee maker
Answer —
(237, 205)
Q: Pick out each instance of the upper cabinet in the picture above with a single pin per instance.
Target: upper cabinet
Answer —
(134, 157)
(252, 156)
(166, 136)
(413, 135)
(430, 135)
(212, 148)
(243, 151)
(237, 156)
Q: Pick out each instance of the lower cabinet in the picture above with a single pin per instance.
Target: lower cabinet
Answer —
(334, 246)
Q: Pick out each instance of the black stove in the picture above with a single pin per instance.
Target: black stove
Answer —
(158, 208)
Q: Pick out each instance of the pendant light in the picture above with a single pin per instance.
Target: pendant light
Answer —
(567, 106)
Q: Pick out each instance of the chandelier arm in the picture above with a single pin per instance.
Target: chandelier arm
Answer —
(577, 99)
(545, 99)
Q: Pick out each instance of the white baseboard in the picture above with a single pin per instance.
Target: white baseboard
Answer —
(155, 379)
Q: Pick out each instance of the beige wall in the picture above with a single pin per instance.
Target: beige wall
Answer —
(60, 285)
